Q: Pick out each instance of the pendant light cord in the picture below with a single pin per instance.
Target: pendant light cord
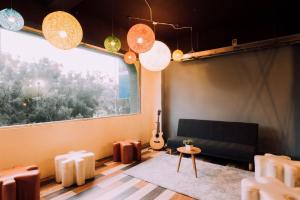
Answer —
(150, 10)
(11, 4)
(192, 48)
(112, 17)
(177, 37)
(129, 24)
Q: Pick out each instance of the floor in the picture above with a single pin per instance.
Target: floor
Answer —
(111, 183)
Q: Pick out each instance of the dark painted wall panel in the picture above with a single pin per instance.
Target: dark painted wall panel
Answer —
(296, 96)
(254, 87)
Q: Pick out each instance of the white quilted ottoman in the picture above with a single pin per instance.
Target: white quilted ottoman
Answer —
(267, 188)
(280, 167)
(74, 167)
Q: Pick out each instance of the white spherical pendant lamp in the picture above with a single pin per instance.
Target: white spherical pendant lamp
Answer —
(62, 30)
(157, 58)
(140, 38)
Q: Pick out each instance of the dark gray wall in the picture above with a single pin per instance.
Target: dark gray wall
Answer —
(296, 98)
(259, 87)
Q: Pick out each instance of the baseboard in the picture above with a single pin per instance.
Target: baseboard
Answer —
(46, 181)
(295, 158)
(146, 145)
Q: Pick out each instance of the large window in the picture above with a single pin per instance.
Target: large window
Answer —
(39, 83)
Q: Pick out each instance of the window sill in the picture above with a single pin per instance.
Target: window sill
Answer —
(66, 121)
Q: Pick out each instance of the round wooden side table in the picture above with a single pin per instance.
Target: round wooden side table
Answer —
(192, 152)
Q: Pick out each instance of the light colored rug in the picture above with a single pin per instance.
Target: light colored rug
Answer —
(214, 182)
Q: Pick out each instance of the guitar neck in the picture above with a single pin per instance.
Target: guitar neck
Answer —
(158, 124)
(158, 127)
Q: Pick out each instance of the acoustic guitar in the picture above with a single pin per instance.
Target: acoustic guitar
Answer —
(157, 142)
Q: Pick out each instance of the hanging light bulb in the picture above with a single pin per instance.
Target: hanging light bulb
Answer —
(130, 57)
(11, 20)
(177, 55)
(157, 58)
(140, 38)
(112, 44)
(62, 30)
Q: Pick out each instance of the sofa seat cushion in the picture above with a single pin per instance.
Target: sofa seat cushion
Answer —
(217, 148)
(176, 141)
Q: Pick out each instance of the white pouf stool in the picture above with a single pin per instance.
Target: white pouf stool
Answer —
(280, 167)
(74, 167)
(267, 188)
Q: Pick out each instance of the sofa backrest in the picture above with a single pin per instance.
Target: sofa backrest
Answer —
(235, 132)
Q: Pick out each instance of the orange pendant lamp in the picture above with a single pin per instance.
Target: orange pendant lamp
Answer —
(140, 38)
(130, 57)
(62, 30)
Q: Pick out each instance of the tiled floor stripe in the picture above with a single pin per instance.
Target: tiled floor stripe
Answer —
(109, 163)
(166, 195)
(142, 192)
(59, 192)
(117, 190)
(126, 193)
(65, 196)
(98, 193)
(85, 193)
(46, 191)
(77, 190)
(154, 193)
(96, 189)
(121, 166)
(178, 196)
(107, 182)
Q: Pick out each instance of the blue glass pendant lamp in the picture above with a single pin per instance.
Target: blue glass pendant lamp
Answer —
(11, 20)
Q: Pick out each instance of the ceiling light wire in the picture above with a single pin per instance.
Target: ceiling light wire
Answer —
(112, 18)
(129, 25)
(177, 37)
(161, 23)
(176, 27)
(150, 10)
(192, 48)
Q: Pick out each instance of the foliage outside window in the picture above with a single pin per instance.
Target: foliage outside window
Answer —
(39, 83)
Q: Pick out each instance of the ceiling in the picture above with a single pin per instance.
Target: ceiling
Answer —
(215, 22)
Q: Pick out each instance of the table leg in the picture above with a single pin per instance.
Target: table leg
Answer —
(179, 162)
(194, 164)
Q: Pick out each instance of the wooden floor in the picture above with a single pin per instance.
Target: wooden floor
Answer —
(111, 183)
